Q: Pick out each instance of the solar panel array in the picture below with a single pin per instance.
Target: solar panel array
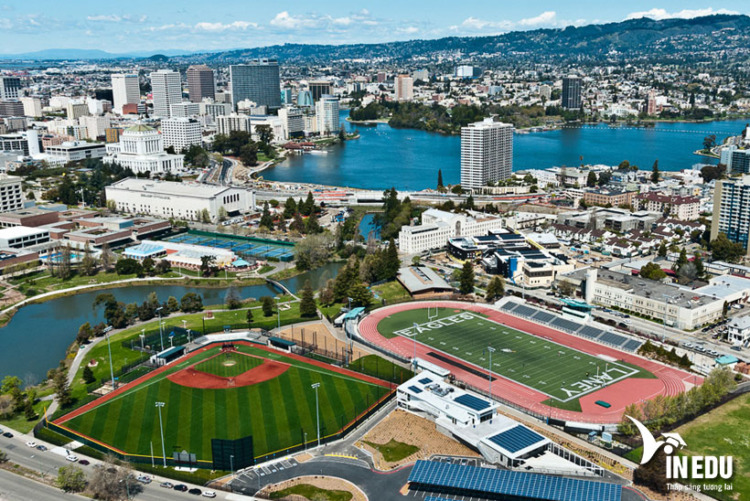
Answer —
(516, 439)
(415, 389)
(563, 324)
(434, 498)
(472, 402)
(471, 480)
(425, 380)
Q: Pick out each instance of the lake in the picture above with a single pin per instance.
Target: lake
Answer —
(407, 159)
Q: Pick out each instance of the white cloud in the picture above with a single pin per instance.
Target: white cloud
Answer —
(218, 27)
(548, 18)
(409, 30)
(659, 14)
(105, 18)
(475, 24)
(285, 20)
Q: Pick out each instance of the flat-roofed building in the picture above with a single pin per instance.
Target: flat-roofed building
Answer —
(11, 195)
(19, 237)
(76, 151)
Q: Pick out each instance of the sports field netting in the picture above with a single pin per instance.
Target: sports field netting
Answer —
(562, 373)
(277, 412)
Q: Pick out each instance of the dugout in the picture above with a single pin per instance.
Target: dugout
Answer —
(282, 344)
(168, 355)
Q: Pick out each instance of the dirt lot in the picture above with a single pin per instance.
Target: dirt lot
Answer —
(410, 429)
(319, 333)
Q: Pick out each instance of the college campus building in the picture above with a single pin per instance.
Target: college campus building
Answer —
(177, 200)
(439, 226)
(486, 153)
(76, 151)
(11, 196)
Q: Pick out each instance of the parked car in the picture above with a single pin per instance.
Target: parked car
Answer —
(209, 494)
(84, 462)
(167, 485)
(195, 491)
(41, 448)
(8, 434)
(71, 458)
(31, 444)
(144, 479)
(180, 487)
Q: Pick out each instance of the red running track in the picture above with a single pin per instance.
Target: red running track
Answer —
(670, 381)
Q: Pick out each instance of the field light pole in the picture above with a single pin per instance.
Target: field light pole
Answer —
(278, 314)
(315, 387)
(414, 338)
(159, 405)
(143, 338)
(231, 464)
(109, 349)
(491, 350)
(161, 338)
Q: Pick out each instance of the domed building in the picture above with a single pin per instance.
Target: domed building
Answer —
(141, 149)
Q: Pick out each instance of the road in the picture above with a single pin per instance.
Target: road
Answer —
(17, 488)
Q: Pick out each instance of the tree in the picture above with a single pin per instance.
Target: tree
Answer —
(307, 306)
(391, 262)
(113, 482)
(128, 266)
(71, 479)
(62, 269)
(604, 178)
(495, 289)
(106, 257)
(85, 332)
(148, 266)
(191, 302)
(290, 208)
(313, 251)
(88, 262)
(700, 269)
(249, 154)
(266, 220)
(88, 375)
(7, 408)
(591, 179)
(342, 135)
(28, 408)
(62, 388)
(162, 267)
(652, 271)
(566, 289)
(265, 133)
(267, 305)
(325, 295)
(232, 298)
(440, 186)
(312, 226)
(172, 304)
(722, 249)
(682, 260)
(205, 217)
(655, 175)
(662, 252)
(466, 283)
(361, 295)
(709, 142)
(208, 267)
(249, 318)
(222, 213)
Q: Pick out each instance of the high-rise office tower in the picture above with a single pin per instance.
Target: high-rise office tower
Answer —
(571, 93)
(304, 98)
(327, 113)
(404, 88)
(257, 81)
(200, 80)
(486, 153)
(732, 210)
(167, 90)
(319, 88)
(10, 87)
(125, 90)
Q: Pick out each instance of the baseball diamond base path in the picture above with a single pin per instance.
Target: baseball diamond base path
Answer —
(669, 381)
(194, 378)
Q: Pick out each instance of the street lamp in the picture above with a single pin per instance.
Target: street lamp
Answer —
(143, 338)
(414, 338)
(109, 349)
(159, 405)
(158, 311)
(184, 327)
(305, 441)
(315, 387)
(231, 464)
(278, 314)
(491, 350)
(667, 297)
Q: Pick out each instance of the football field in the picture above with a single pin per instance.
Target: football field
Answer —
(277, 412)
(562, 373)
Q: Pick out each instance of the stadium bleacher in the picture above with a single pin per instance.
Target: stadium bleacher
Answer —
(523, 310)
(543, 317)
(590, 332)
(516, 439)
(565, 325)
(493, 483)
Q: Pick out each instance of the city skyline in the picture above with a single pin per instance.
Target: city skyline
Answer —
(145, 26)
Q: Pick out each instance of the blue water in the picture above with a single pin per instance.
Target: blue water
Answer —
(367, 226)
(409, 159)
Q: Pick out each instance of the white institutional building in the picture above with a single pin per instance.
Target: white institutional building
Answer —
(486, 153)
(327, 112)
(141, 149)
(181, 133)
(168, 199)
(438, 226)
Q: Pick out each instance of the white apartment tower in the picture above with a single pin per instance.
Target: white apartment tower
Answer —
(125, 90)
(181, 133)
(404, 88)
(486, 153)
(327, 112)
(167, 90)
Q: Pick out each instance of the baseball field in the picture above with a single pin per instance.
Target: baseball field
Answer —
(228, 395)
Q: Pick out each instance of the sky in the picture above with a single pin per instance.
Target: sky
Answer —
(205, 25)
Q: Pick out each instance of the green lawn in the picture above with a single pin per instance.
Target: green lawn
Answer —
(229, 364)
(276, 413)
(378, 367)
(312, 493)
(562, 373)
(393, 450)
(390, 291)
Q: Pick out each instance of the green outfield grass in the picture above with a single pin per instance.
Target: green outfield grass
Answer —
(228, 364)
(277, 412)
(562, 373)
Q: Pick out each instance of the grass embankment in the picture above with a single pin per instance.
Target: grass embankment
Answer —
(394, 451)
(312, 493)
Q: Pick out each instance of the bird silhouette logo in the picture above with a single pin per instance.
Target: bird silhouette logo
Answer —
(672, 442)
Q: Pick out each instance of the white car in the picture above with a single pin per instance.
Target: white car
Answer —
(209, 494)
(31, 444)
(72, 458)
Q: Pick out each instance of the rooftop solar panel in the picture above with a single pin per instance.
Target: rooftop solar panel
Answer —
(472, 402)
(425, 380)
(415, 389)
(471, 480)
(433, 498)
(516, 439)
